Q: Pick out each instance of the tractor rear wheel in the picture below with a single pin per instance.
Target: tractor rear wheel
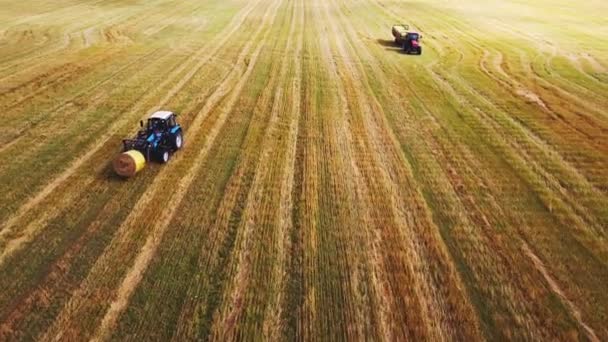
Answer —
(178, 141)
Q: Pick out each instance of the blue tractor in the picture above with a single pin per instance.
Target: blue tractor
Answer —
(161, 136)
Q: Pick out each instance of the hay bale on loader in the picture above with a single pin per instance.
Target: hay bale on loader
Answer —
(127, 164)
(399, 32)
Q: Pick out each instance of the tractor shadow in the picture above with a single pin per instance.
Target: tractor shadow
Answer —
(390, 45)
(387, 43)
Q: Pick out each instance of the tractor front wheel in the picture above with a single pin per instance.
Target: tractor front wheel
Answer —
(163, 156)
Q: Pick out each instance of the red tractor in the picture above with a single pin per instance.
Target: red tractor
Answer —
(409, 41)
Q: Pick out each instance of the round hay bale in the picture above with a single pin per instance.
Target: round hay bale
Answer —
(129, 163)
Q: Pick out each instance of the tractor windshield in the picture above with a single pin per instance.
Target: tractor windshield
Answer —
(156, 124)
(413, 36)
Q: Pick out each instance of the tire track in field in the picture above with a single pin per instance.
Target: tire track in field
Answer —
(134, 275)
(308, 212)
(57, 76)
(524, 91)
(551, 189)
(330, 259)
(13, 237)
(574, 60)
(62, 43)
(373, 314)
(69, 37)
(496, 209)
(456, 206)
(595, 64)
(259, 211)
(53, 286)
(298, 314)
(286, 183)
(370, 310)
(463, 166)
(529, 132)
(574, 311)
(516, 87)
(76, 97)
(551, 85)
(92, 227)
(362, 167)
(553, 50)
(433, 152)
(201, 57)
(593, 127)
(446, 190)
(578, 60)
(530, 136)
(199, 313)
(12, 240)
(394, 169)
(532, 143)
(349, 165)
(518, 311)
(548, 104)
(317, 155)
(64, 199)
(153, 25)
(384, 87)
(109, 19)
(576, 137)
(470, 38)
(63, 72)
(41, 15)
(223, 223)
(25, 301)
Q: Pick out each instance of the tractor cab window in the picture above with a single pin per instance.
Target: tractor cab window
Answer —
(413, 36)
(171, 121)
(156, 124)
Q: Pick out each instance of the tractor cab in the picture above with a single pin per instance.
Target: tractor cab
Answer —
(160, 122)
(414, 36)
(411, 43)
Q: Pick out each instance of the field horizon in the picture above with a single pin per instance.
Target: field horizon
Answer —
(330, 187)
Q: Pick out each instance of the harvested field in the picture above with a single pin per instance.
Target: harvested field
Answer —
(330, 187)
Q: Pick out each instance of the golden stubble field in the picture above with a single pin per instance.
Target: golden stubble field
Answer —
(330, 188)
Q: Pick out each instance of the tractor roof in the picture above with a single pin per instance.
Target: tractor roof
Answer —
(163, 114)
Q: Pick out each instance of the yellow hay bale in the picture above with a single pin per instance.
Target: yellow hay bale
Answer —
(400, 30)
(129, 163)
